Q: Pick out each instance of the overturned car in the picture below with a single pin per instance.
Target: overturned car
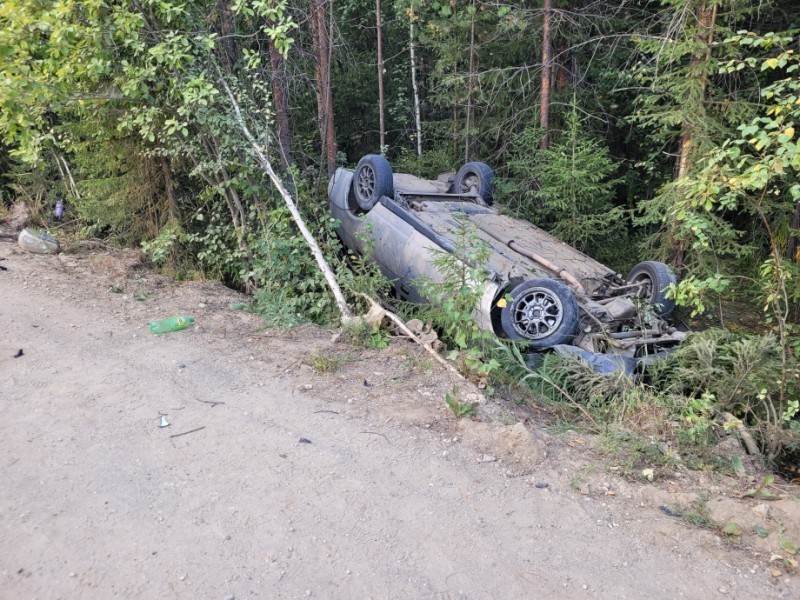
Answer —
(538, 289)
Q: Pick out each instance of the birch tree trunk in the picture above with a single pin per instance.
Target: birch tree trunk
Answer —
(265, 163)
(414, 86)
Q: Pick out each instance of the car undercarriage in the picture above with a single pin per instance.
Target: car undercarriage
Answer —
(538, 290)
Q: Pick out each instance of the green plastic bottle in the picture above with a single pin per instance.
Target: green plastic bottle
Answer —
(170, 324)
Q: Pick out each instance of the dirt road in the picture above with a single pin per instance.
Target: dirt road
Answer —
(391, 497)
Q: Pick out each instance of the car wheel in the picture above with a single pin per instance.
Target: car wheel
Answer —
(654, 279)
(542, 312)
(371, 180)
(476, 176)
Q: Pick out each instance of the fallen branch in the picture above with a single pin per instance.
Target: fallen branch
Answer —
(188, 432)
(747, 438)
(213, 403)
(376, 433)
(262, 159)
(377, 310)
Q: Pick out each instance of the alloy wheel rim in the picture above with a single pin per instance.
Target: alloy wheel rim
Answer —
(537, 314)
(366, 182)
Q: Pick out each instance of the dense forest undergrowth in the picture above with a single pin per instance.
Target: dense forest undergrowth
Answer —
(649, 129)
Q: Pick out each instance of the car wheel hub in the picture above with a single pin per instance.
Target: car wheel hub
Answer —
(366, 182)
(469, 184)
(537, 314)
(645, 286)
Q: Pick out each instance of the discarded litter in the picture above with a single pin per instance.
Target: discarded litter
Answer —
(19, 353)
(303, 441)
(37, 241)
(170, 324)
(542, 485)
(238, 306)
(163, 422)
(669, 511)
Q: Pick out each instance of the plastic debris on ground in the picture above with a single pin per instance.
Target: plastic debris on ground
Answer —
(37, 241)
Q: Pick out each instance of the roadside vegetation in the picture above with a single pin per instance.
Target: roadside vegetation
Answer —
(661, 129)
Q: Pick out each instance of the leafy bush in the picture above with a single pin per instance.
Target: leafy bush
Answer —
(713, 383)
(742, 375)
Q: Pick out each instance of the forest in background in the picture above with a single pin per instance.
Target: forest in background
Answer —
(641, 129)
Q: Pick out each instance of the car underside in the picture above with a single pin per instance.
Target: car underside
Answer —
(538, 290)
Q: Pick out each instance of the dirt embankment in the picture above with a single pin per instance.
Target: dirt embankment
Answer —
(275, 481)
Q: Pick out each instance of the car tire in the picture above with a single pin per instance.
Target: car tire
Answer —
(542, 312)
(656, 277)
(476, 175)
(372, 179)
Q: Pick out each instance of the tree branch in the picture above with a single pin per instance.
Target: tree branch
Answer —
(265, 163)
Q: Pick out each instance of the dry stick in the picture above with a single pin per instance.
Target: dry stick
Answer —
(376, 433)
(747, 439)
(213, 403)
(404, 328)
(188, 432)
(341, 303)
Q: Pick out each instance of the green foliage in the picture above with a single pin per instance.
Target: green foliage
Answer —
(568, 188)
(460, 286)
(121, 193)
(745, 377)
(53, 53)
(33, 185)
(326, 362)
(601, 398)
(712, 374)
(362, 334)
(454, 296)
(759, 492)
(694, 292)
(732, 530)
(361, 274)
(697, 415)
(290, 287)
(161, 248)
(682, 97)
(428, 166)
(460, 409)
(698, 514)
(754, 174)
